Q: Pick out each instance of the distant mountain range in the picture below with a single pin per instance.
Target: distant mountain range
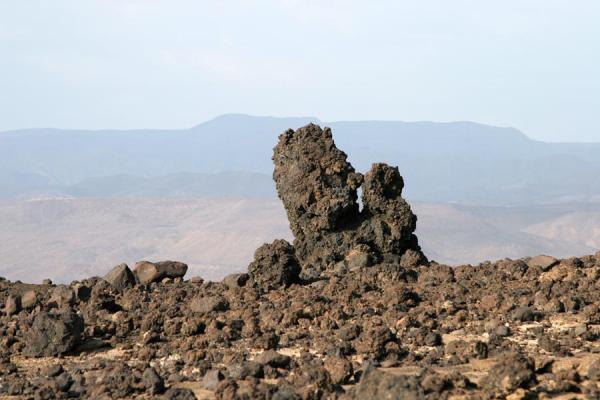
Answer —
(461, 162)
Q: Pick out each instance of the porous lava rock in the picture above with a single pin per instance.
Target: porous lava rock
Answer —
(318, 188)
(274, 266)
(53, 334)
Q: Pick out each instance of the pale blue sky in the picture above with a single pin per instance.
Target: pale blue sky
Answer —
(531, 64)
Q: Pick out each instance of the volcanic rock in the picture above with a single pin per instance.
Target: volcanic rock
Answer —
(354, 311)
(120, 277)
(29, 299)
(543, 262)
(53, 334)
(274, 266)
(512, 371)
(62, 296)
(375, 384)
(152, 381)
(212, 378)
(208, 304)
(13, 305)
(148, 272)
(235, 280)
(273, 359)
(318, 188)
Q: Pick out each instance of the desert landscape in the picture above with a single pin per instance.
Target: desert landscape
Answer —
(352, 309)
(299, 200)
(205, 195)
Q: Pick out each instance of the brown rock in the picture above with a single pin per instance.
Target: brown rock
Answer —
(208, 304)
(120, 277)
(62, 296)
(375, 384)
(340, 369)
(29, 299)
(147, 272)
(235, 280)
(274, 266)
(512, 371)
(543, 262)
(13, 305)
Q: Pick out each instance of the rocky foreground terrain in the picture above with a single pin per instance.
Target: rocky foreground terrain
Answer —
(351, 310)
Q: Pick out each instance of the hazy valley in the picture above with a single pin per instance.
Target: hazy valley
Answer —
(74, 203)
(66, 239)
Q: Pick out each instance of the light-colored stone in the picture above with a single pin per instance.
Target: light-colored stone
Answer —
(147, 272)
(62, 295)
(29, 299)
(543, 262)
(13, 305)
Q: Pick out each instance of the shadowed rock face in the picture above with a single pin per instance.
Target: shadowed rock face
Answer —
(318, 187)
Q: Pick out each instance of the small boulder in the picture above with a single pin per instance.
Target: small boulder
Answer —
(29, 299)
(523, 314)
(340, 369)
(235, 280)
(62, 295)
(53, 334)
(153, 383)
(13, 305)
(245, 369)
(211, 379)
(179, 394)
(198, 280)
(148, 272)
(275, 266)
(120, 277)
(375, 384)
(273, 359)
(208, 304)
(543, 262)
(512, 371)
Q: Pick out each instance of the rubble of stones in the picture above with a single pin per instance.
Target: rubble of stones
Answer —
(351, 310)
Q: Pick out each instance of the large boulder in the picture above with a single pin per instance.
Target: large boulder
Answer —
(318, 188)
(53, 334)
(275, 266)
(147, 272)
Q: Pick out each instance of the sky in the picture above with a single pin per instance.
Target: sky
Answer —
(123, 64)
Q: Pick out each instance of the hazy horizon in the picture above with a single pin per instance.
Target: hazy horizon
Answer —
(172, 64)
(318, 120)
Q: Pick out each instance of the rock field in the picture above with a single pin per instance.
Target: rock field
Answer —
(351, 310)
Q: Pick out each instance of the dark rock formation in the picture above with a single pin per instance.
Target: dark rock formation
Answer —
(53, 334)
(318, 187)
(377, 323)
(274, 266)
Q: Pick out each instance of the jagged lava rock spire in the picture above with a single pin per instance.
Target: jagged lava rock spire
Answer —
(318, 188)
